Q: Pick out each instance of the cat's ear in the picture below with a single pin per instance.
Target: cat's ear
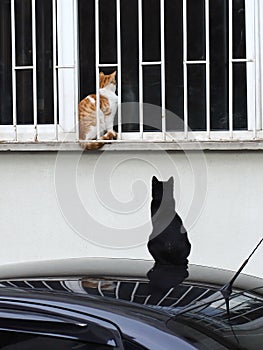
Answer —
(101, 74)
(114, 74)
(171, 181)
(154, 180)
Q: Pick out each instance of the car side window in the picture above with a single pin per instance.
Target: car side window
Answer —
(23, 341)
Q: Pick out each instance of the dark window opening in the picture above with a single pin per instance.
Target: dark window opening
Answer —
(219, 52)
(45, 93)
(24, 96)
(24, 61)
(174, 83)
(23, 33)
(6, 102)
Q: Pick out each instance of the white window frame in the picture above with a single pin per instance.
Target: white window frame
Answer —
(66, 79)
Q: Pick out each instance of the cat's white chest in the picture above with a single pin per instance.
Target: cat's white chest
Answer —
(112, 97)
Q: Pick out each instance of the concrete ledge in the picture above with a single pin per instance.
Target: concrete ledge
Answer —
(256, 145)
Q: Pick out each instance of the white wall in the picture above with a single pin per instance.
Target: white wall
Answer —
(58, 205)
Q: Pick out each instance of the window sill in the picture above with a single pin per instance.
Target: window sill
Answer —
(255, 145)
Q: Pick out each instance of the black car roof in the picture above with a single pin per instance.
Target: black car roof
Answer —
(115, 298)
(66, 305)
(116, 293)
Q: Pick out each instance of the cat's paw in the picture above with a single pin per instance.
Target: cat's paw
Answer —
(115, 135)
(112, 134)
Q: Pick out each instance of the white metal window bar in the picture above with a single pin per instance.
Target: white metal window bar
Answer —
(260, 61)
(16, 67)
(99, 65)
(250, 58)
(65, 75)
(207, 63)
(13, 67)
(34, 47)
(258, 11)
(55, 83)
(67, 68)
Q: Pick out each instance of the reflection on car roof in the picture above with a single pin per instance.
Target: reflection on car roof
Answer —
(245, 306)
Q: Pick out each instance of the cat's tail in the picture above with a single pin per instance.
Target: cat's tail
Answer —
(110, 135)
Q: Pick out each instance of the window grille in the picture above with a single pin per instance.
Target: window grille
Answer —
(39, 88)
(52, 53)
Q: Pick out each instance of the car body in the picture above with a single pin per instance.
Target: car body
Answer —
(126, 304)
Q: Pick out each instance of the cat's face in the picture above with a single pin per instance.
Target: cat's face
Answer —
(108, 81)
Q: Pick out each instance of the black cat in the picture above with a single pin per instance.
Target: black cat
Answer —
(168, 243)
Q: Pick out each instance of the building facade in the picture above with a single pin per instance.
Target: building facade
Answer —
(189, 78)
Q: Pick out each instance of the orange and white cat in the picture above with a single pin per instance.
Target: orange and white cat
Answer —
(108, 108)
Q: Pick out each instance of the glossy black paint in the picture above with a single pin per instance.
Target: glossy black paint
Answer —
(157, 311)
(82, 317)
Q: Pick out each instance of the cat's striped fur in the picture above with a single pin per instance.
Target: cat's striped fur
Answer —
(108, 108)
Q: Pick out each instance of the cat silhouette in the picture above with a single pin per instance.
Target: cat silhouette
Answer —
(168, 242)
